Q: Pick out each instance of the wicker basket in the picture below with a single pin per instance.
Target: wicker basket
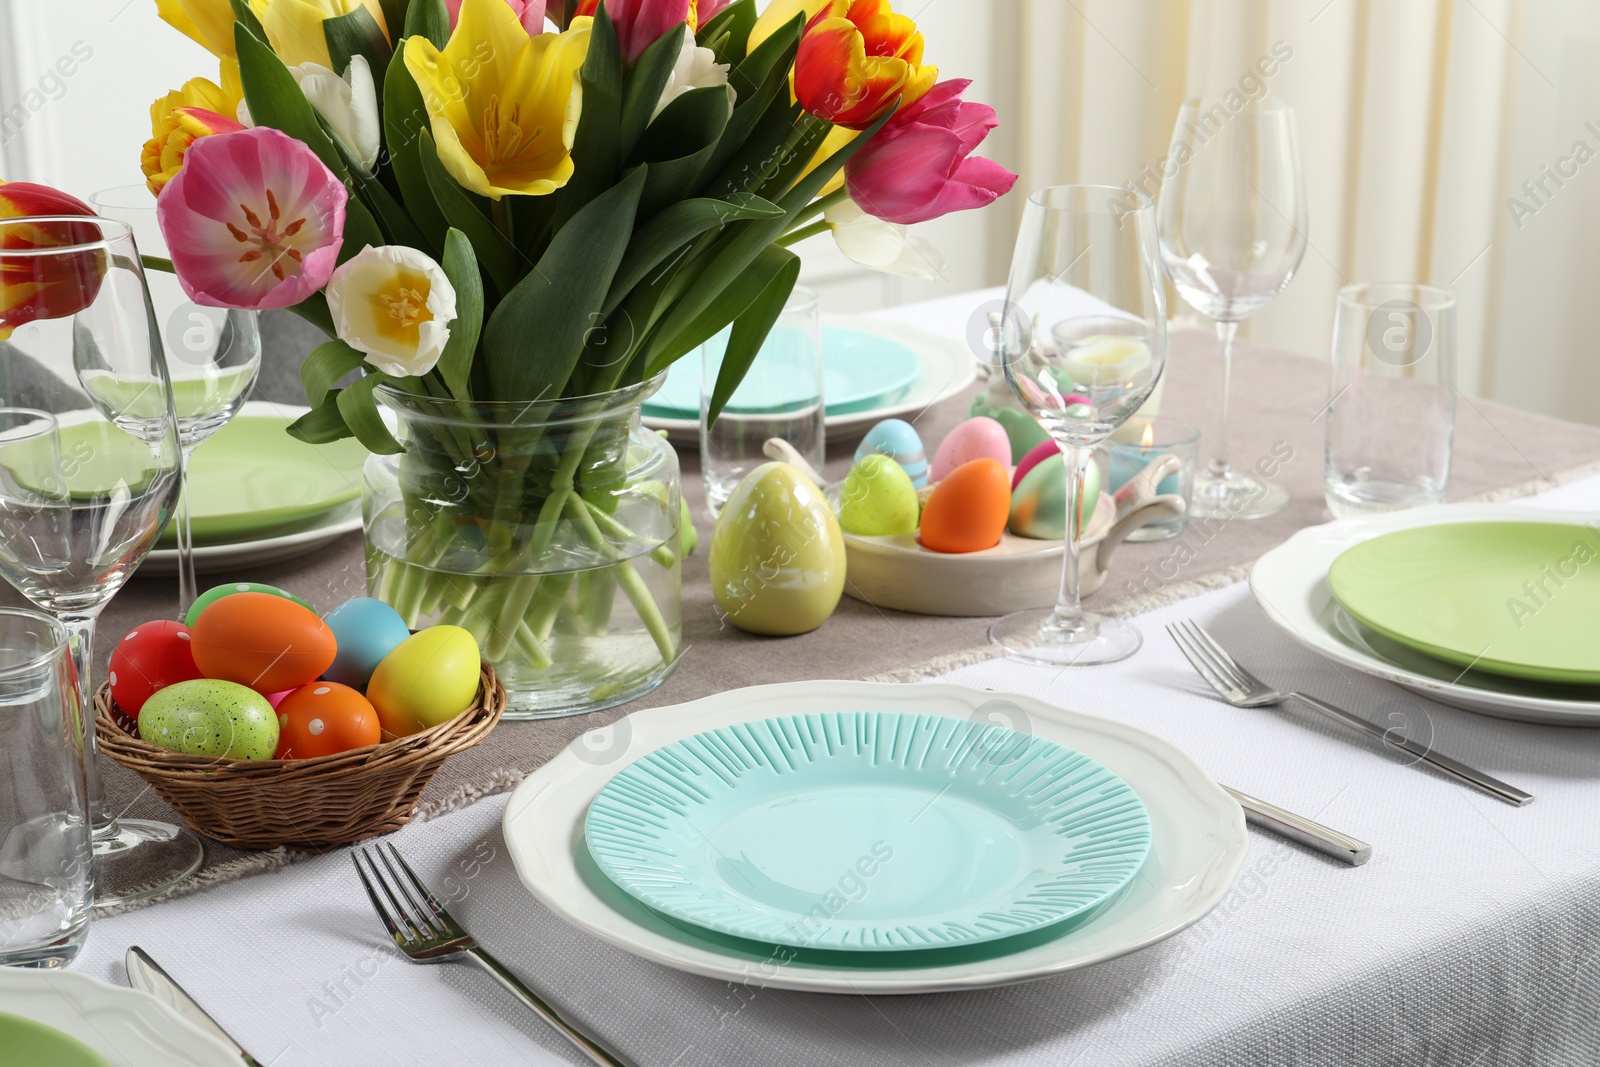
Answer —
(314, 803)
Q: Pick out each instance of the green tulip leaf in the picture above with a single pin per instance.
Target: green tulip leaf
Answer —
(430, 19)
(654, 243)
(728, 33)
(646, 82)
(404, 120)
(327, 365)
(780, 269)
(461, 267)
(323, 424)
(595, 146)
(246, 17)
(357, 33)
(495, 252)
(360, 411)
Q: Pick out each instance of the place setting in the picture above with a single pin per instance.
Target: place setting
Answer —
(702, 637)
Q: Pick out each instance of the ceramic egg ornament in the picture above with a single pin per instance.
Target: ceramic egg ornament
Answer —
(364, 630)
(896, 438)
(151, 657)
(263, 641)
(979, 438)
(217, 592)
(1039, 502)
(430, 678)
(777, 554)
(210, 717)
(968, 509)
(323, 719)
(878, 499)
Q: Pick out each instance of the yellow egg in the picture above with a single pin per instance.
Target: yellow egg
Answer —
(777, 556)
(429, 678)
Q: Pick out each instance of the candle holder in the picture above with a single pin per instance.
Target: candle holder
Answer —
(1131, 450)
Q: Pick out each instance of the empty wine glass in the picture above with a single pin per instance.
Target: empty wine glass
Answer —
(213, 356)
(1233, 232)
(89, 463)
(1083, 341)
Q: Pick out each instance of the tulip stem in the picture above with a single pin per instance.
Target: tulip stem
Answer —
(796, 236)
(157, 263)
(820, 205)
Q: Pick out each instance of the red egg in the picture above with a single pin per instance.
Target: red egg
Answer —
(262, 641)
(152, 656)
(968, 509)
(323, 718)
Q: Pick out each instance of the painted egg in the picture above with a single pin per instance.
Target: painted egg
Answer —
(979, 438)
(262, 641)
(777, 554)
(878, 499)
(323, 718)
(151, 657)
(896, 438)
(1036, 455)
(429, 678)
(968, 509)
(366, 630)
(1039, 502)
(1023, 429)
(208, 717)
(217, 592)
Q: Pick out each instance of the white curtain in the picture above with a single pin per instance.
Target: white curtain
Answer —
(1420, 121)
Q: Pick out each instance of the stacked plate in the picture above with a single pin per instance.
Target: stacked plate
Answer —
(872, 370)
(260, 496)
(860, 838)
(1487, 607)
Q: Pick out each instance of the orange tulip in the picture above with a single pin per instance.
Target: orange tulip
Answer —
(856, 59)
(44, 287)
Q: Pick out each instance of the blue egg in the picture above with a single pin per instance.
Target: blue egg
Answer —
(895, 437)
(366, 631)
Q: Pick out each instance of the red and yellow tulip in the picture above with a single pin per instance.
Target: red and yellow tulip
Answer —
(44, 287)
(175, 131)
(856, 59)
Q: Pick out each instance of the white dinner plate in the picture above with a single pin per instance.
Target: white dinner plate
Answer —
(290, 544)
(1198, 844)
(1291, 585)
(947, 368)
(128, 1028)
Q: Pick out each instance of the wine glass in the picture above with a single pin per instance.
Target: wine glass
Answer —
(213, 356)
(89, 470)
(1083, 341)
(1233, 232)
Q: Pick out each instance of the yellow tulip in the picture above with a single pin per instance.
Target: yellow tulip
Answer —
(209, 23)
(778, 14)
(503, 106)
(294, 27)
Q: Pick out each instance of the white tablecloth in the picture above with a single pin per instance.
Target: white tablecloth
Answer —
(1472, 937)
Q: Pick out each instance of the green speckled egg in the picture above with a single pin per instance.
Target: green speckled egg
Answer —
(210, 717)
(878, 498)
(1039, 502)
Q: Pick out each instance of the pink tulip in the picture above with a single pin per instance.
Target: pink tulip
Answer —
(640, 23)
(253, 220)
(710, 9)
(529, 12)
(920, 166)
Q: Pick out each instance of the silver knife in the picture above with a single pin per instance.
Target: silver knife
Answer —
(1324, 839)
(144, 973)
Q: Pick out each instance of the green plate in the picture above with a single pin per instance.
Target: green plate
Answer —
(25, 1043)
(1520, 599)
(869, 832)
(251, 478)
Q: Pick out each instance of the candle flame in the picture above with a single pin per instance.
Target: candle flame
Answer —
(1148, 438)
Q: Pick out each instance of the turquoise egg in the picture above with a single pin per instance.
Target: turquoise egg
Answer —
(217, 592)
(365, 630)
(895, 437)
(1039, 502)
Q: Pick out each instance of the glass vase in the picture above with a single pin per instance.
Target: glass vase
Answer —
(549, 530)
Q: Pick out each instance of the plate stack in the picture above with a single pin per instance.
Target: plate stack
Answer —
(859, 838)
(1486, 607)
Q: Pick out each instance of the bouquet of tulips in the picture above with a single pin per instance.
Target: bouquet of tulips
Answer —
(493, 201)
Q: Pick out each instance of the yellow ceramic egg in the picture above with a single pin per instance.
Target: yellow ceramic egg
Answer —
(777, 556)
(429, 678)
(878, 498)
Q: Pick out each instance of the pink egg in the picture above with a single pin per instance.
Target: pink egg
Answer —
(1036, 455)
(977, 438)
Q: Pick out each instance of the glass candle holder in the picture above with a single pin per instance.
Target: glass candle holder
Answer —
(1140, 442)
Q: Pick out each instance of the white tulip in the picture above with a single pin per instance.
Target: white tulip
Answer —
(395, 304)
(884, 246)
(348, 104)
(696, 68)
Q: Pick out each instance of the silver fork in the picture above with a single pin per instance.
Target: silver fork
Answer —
(426, 933)
(1244, 690)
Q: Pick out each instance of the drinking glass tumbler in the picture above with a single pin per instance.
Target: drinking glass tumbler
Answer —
(781, 396)
(1392, 401)
(46, 890)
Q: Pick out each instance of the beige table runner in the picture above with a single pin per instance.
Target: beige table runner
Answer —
(1279, 400)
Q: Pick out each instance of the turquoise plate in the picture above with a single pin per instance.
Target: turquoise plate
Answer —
(868, 832)
(860, 370)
